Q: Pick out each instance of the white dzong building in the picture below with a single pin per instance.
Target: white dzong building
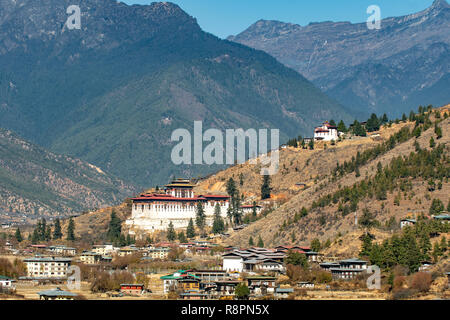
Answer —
(177, 204)
(326, 132)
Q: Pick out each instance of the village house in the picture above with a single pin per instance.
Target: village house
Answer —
(326, 132)
(253, 259)
(89, 257)
(224, 289)
(445, 218)
(177, 204)
(56, 294)
(126, 251)
(283, 293)
(182, 280)
(261, 285)
(305, 285)
(407, 223)
(132, 289)
(62, 250)
(104, 249)
(248, 209)
(345, 269)
(161, 253)
(6, 283)
(47, 268)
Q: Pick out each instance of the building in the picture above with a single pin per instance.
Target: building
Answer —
(89, 257)
(253, 259)
(326, 132)
(305, 285)
(283, 293)
(161, 253)
(261, 285)
(407, 222)
(248, 209)
(56, 294)
(126, 251)
(6, 283)
(345, 269)
(443, 218)
(182, 279)
(132, 289)
(177, 205)
(104, 249)
(63, 250)
(47, 268)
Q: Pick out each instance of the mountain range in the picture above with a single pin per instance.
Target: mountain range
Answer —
(36, 182)
(112, 92)
(404, 64)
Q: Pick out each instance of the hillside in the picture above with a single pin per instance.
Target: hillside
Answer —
(113, 92)
(327, 222)
(404, 63)
(34, 181)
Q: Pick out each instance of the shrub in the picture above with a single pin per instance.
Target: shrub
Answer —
(421, 282)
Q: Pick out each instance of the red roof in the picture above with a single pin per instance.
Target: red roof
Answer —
(169, 197)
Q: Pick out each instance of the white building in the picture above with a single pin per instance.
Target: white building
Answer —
(407, 222)
(326, 132)
(233, 262)
(104, 249)
(55, 268)
(6, 283)
(178, 204)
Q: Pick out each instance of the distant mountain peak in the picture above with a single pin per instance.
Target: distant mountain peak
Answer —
(440, 4)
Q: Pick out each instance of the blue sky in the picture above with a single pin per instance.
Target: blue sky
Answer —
(230, 17)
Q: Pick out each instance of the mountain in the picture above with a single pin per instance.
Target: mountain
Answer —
(34, 181)
(404, 64)
(113, 92)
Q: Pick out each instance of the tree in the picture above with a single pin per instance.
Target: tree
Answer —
(182, 237)
(432, 143)
(358, 129)
(341, 127)
(114, 227)
(171, 235)
(332, 123)
(71, 230)
(315, 245)
(367, 220)
(18, 235)
(190, 232)
(265, 188)
(231, 188)
(255, 213)
(260, 242)
(373, 124)
(218, 224)
(311, 144)
(250, 242)
(438, 131)
(57, 234)
(303, 212)
(385, 119)
(436, 207)
(296, 259)
(242, 292)
(200, 216)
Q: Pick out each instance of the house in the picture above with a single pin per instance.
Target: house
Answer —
(89, 257)
(225, 288)
(6, 283)
(104, 249)
(47, 267)
(346, 269)
(326, 132)
(305, 285)
(233, 262)
(443, 218)
(63, 250)
(132, 289)
(181, 279)
(261, 285)
(248, 209)
(407, 222)
(56, 294)
(283, 293)
(270, 265)
(161, 253)
(125, 251)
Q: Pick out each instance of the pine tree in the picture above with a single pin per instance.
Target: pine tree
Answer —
(18, 235)
(48, 233)
(438, 131)
(432, 143)
(57, 234)
(190, 232)
(250, 242)
(114, 227)
(254, 212)
(171, 235)
(311, 144)
(200, 216)
(265, 188)
(315, 245)
(71, 230)
(341, 127)
(182, 237)
(260, 242)
(231, 187)
(218, 224)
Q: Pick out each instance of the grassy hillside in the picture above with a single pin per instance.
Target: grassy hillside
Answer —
(327, 219)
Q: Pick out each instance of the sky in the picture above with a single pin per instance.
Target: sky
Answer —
(230, 17)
